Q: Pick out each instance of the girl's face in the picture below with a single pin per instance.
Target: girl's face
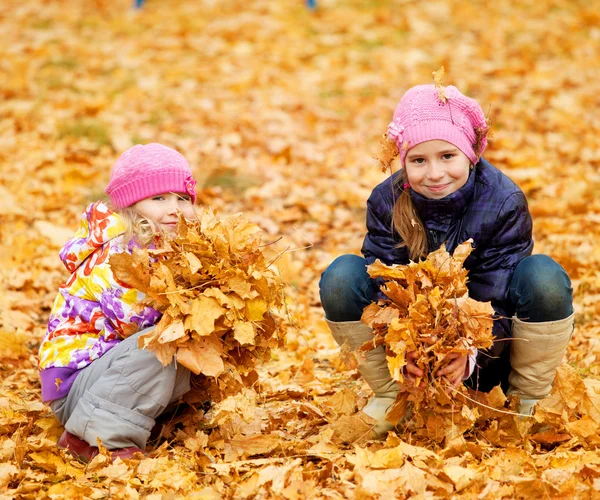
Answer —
(436, 169)
(163, 209)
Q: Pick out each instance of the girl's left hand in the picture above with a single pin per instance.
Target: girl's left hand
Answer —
(454, 371)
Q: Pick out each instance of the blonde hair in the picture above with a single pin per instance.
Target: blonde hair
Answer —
(405, 219)
(140, 228)
(407, 222)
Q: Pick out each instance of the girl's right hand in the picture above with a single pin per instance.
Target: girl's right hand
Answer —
(411, 370)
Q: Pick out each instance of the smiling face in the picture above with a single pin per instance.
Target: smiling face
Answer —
(436, 169)
(163, 209)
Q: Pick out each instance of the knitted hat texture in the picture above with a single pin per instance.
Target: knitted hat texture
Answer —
(422, 115)
(147, 170)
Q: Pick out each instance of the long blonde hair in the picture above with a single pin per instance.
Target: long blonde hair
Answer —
(405, 219)
(407, 222)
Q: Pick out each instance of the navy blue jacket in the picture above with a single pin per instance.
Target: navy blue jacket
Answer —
(489, 208)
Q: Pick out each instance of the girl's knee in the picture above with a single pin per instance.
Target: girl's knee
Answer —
(344, 269)
(345, 288)
(544, 277)
(343, 274)
(541, 284)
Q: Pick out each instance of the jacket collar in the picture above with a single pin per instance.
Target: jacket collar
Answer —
(439, 214)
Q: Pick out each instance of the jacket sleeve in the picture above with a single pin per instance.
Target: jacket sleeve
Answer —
(118, 303)
(510, 242)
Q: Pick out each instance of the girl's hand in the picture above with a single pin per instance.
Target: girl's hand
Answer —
(411, 370)
(454, 371)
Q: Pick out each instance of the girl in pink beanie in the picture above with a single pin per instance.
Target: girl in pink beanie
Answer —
(445, 192)
(93, 376)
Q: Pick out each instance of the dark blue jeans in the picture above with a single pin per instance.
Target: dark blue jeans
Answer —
(540, 290)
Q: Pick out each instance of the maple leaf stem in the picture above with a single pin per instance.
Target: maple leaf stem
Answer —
(292, 322)
(271, 243)
(289, 250)
(179, 290)
(506, 412)
(277, 257)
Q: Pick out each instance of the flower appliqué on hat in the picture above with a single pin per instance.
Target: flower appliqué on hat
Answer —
(394, 132)
(190, 185)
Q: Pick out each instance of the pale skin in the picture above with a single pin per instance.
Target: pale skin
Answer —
(436, 169)
(164, 209)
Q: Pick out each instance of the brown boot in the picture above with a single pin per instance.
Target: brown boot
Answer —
(374, 370)
(536, 352)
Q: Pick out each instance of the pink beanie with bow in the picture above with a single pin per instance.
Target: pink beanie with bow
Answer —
(147, 170)
(422, 115)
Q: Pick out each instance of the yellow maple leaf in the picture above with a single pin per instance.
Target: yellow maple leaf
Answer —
(7, 473)
(256, 309)
(397, 363)
(387, 458)
(241, 286)
(194, 262)
(380, 270)
(437, 76)
(256, 445)
(461, 252)
(202, 355)
(244, 332)
(231, 300)
(175, 331)
(343, 402)
(132, 269)
(204, 311)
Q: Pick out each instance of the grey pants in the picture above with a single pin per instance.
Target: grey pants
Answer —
(118, 396)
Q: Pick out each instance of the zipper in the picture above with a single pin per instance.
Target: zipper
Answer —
(435, 243)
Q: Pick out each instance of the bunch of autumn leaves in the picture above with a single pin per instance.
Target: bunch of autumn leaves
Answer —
(219, 297)
(218, 294)
(428, 311)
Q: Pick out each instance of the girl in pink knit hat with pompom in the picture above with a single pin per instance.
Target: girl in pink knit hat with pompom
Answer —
(445, 192)
(93, 376)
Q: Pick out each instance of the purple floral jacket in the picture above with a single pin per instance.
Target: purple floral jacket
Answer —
(92, 311)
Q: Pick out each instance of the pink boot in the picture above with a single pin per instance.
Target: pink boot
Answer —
(83, 452)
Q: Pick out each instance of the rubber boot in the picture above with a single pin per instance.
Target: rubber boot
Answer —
(536, 352)
(373, 369)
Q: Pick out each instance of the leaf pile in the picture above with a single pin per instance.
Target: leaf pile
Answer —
(278, 110)
(219, 298)
(428, 312)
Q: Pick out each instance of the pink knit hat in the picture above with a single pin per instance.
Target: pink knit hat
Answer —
(144, 171)
(422, 115)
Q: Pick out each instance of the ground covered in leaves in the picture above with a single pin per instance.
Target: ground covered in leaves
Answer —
(280, 111)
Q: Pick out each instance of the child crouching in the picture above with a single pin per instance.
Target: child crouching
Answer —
(95, 379)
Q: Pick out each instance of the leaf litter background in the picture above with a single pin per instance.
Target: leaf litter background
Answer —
(280, 112)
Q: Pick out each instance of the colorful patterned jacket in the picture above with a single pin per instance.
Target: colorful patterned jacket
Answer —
(93, 310)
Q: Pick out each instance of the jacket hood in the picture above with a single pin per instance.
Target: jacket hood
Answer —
(98, 225)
